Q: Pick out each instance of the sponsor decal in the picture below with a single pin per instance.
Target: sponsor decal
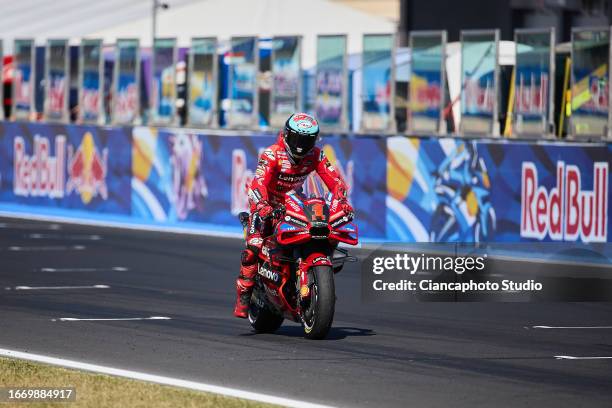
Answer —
(256, 242)
(287, 227)
(294, 206)
(298, 178)
(269, 274)
(272, 291)
(295, 221)
(321, 260)
(568, 211)
(340, 221)
(269, 154)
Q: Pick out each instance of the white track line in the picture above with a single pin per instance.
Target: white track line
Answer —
(124, 225)
(89, 237)
(109, 269)
(571, 327)
(59, 287)
(111, 319)
(46, 248)
(53, 227)
(581, 358)
(176, 382)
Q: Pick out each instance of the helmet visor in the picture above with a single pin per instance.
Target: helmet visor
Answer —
(300, 144)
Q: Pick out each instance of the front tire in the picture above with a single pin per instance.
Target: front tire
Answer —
(318, 317)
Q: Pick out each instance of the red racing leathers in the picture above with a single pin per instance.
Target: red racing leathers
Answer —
(277, 174)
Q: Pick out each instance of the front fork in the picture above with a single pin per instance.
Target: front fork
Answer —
(305, 279)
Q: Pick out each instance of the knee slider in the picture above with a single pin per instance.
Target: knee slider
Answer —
(248, 257)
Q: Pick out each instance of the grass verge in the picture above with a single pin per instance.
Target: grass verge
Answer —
(99, 390)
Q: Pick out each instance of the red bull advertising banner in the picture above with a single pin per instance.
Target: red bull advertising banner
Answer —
(404, 189)
(164, 81)
(23, 79)
(479, 81)
(533, 87)
(378, 74)
(454, 190)
(285, 97)
(203, 86)
(569, 211)
(590, 79)
(126, 97)
(427, 76)
(66, 167)
(57, 81)
(331, 80)
(91, 75)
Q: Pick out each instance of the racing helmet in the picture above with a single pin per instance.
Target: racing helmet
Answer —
(300, 135)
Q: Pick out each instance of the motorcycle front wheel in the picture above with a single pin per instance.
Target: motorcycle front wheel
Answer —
(318, 313)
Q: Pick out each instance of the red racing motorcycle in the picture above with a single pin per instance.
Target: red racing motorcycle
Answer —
(297, 262)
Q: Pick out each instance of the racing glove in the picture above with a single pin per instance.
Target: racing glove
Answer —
(264, 210)
(345, 206)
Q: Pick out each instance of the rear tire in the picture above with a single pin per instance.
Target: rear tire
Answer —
(263, 319)
(323, 304)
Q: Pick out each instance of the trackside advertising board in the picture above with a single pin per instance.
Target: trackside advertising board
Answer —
(404, 189)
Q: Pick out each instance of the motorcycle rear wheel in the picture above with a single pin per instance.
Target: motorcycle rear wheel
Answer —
(263, 319)
(318, 317)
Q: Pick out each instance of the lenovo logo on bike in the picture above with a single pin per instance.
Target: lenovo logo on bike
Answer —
(268, 274)
(568, 211)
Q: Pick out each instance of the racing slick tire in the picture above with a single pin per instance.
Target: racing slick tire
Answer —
(263, 319)
(318, 317)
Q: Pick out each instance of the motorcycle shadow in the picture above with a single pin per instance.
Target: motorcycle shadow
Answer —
(335, 333)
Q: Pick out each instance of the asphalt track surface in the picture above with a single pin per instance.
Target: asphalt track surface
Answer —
(389, 355)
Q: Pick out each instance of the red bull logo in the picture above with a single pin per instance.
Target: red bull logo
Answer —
(57, 95)
(530, 97)
(477, 97)
(567, 212)
(87, 170)
(90, 101)
(40, 174)
(126, 103)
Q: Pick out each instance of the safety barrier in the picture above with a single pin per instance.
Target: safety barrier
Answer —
(404, 189)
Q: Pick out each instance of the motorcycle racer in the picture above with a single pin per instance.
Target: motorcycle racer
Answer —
(282, 167)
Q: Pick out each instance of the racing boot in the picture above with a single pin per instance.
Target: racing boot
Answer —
(244, 284)
(243, 297)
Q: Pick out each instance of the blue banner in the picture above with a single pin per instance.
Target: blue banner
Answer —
(404, 189)
(444, 190)
(65, 167)
(184, 176)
